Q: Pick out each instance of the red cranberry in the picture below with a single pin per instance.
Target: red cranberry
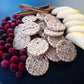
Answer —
(2, 42)
(13, 25)
(18, 22)
(7, 18)
(9, 22)
(9, 40)
(14, 16)
(1, 27)
(3, 20)
(6, 27)
(14, 21)
(3, 23)
(5, 63)
(14, 59)
(23, 58)
(1, 53)
(6, 56)
(0, 37)
(7, 46)
(12, 51)
(13, 67)
(21, 66)
(19, 74)
(18, 18)
(2, 31)
(22, 52)
(10, 30)
(4, 36)
(11, 35)
(1, 48)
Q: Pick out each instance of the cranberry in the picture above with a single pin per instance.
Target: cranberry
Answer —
(6, 27)
(19, 74)
(5, 63)
(23, 58)
(2, 31)
(14, 21)
(14, 59)
(1, 27)
(13, 67)
(1, 48)
(7, 18)
(11, 35)
(21, 66)
(6, 56)
(10, 30)
(22, 52)
(1, 53)
(18, 22)
(4, 36)
(2, 42)
(13, 25)
(9, 40)
(18, 18)
(14, 16)
(3, 23)
(3, 20)
(12, 51)
(7, 46)
(0, 37)
(9, 22)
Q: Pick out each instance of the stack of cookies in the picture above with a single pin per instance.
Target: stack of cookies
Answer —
(42, 35)
(74, 21)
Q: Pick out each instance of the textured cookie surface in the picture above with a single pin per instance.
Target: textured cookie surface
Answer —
(49, 17)
(31, 29)
(21, 41)
(17, 30)
(66, 51)
(40, 16)
(29, 18)
(19, 27)
(38, 46)
(53, 41)
(37, 65)
(53, 23)
(53, 33)
(52, 55)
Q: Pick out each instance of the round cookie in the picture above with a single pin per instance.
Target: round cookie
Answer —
(40, 16)
(38, 46)
(21, 41)
(30, 29)
(55, 25)
(29, 18)
(54, 40)
(53, 33)
(52, 55)
(17, 30)
(66, 51)
(37, 65)
(48, 17)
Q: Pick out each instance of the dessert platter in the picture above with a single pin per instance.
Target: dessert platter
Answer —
(38, 35)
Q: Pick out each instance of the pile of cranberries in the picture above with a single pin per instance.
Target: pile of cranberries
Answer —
(9, 56)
